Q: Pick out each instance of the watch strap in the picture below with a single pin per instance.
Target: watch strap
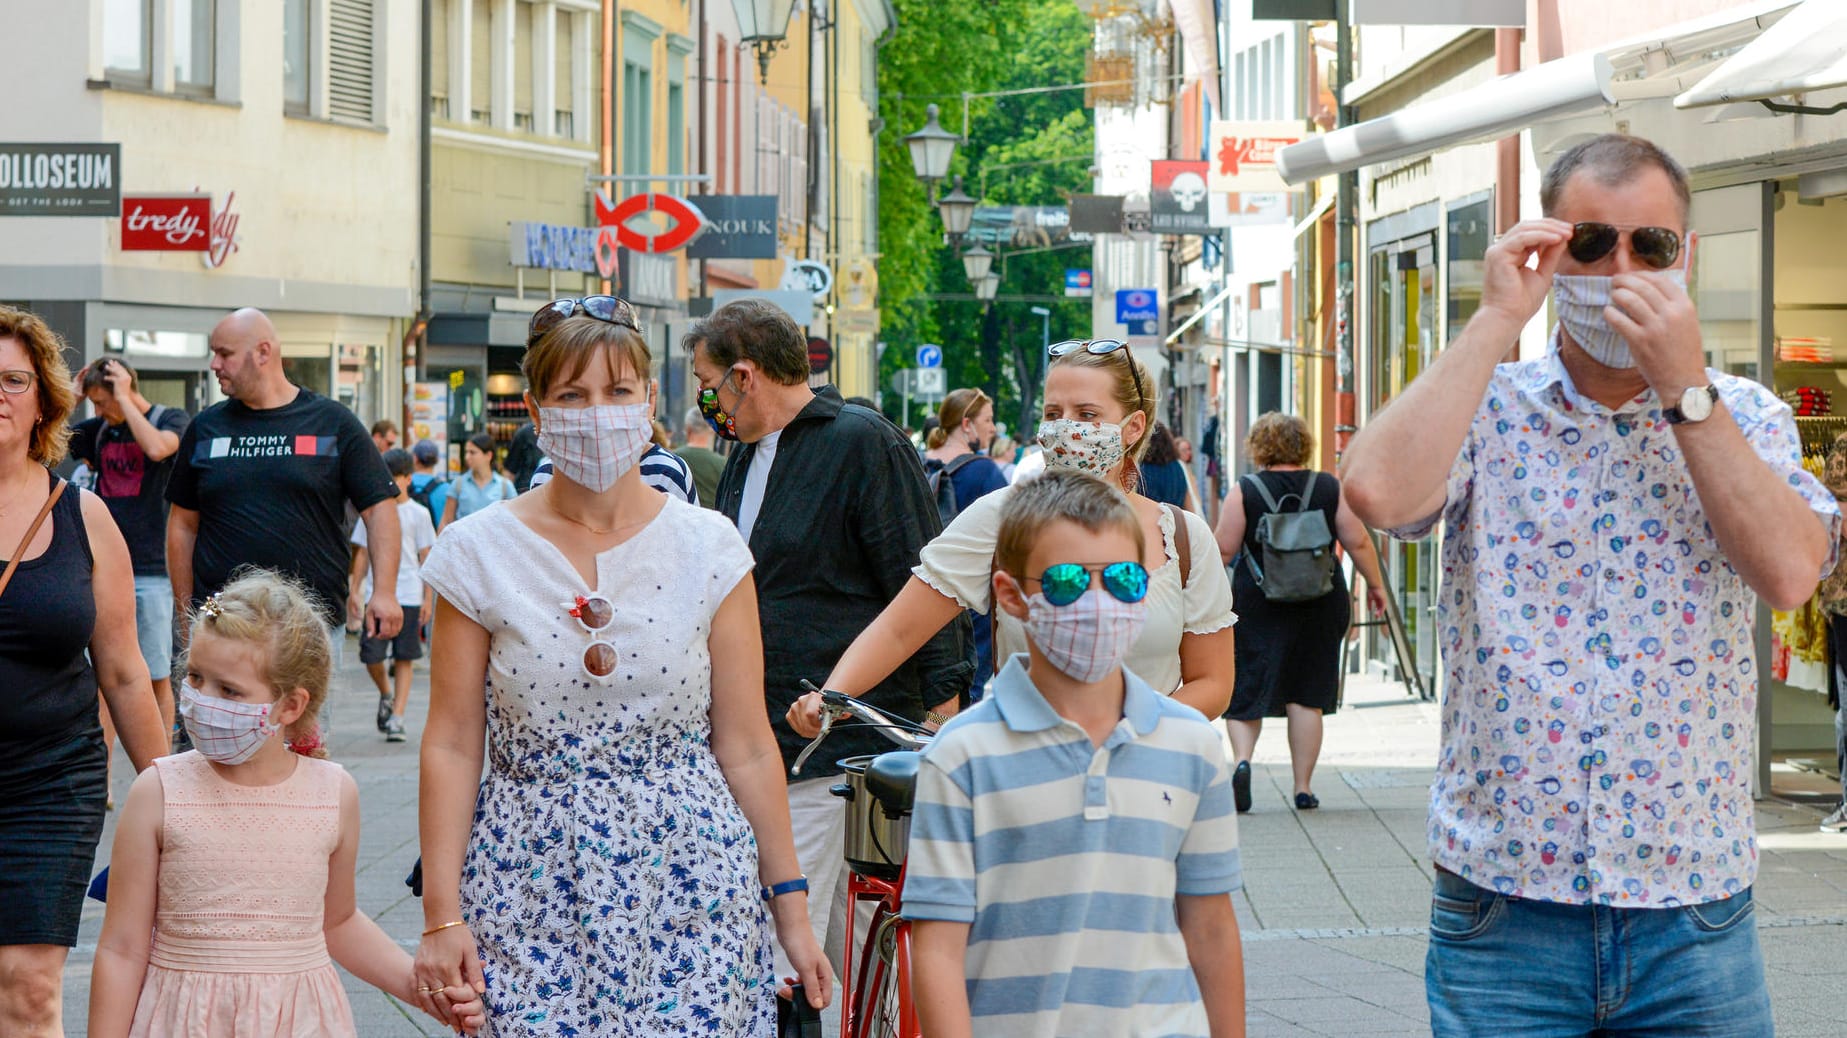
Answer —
(788, 886)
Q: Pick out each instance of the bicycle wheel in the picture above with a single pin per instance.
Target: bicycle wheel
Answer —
(885, 999)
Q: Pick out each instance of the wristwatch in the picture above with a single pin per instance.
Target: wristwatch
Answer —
(1695, 405)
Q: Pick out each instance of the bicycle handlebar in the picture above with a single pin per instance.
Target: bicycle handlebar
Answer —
(836, 705)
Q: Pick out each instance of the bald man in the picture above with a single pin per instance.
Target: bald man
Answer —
(263, 478)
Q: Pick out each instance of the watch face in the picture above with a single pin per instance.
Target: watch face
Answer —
(1696, 404)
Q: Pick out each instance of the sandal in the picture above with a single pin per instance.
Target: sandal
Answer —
(1306, 801)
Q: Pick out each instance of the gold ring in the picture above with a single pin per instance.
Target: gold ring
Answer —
(428, 991)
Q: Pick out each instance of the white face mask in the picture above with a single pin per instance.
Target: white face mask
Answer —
(1095, 448)
(224, 731)
(595, 446)
(1088, 638)
(1580, 299)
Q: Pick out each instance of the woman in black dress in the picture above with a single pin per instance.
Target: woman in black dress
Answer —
(1288, 652)
(73, 590)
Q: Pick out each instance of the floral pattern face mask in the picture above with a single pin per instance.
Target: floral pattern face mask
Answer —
(1094, 448)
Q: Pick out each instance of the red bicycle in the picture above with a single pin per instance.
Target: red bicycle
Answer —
(878, 791)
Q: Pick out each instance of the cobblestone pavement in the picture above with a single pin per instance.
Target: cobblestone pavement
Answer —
(1335, 900)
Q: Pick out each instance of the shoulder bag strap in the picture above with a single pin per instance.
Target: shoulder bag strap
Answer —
(57, 490)
(1268, 500)
(1183, 543)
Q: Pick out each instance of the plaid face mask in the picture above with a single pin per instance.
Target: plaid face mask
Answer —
(224, 731)
(595, 446)
(1087, 638)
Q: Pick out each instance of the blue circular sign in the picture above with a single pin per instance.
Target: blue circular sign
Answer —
(929, 355)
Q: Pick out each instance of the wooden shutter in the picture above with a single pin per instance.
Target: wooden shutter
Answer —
(349, 60)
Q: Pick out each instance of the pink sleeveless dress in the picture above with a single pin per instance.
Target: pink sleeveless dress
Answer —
(238, 948)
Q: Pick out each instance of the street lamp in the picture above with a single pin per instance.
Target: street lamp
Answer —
(1046, 316)
(931, 147)
(764, 24)
(958, 208)
(986, 288)
(976, 263)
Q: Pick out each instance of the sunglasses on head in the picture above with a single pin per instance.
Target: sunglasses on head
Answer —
(595, 613)
(603, 308)
(1658, 247)
(1066, 582)
(1101, 348)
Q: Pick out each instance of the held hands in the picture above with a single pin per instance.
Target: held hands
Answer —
(1654, 314)
(805, 716)
(1509, 287)
(446, 979)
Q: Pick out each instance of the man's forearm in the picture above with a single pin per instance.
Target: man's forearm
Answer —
(1396, 469)
(1766, 529)
(152, 441)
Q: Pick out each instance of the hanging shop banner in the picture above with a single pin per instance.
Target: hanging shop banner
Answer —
(546, 246)
(1249, 209)
(678, 223)
(60, 179)
(167, 223)
(648, 280)
(807, 275)
(737, 227)
(820, 355)
(1024, 227)
(1177, 198)
(1078, 284)
(1096, 214)
(860, 289)
(1243, 155)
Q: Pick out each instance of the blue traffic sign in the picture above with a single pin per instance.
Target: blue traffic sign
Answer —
(1136, 305)
(929, 355)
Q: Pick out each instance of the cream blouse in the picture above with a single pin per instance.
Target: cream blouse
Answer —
(960, 561)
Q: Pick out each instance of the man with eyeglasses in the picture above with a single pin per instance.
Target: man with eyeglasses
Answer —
(1611, 511)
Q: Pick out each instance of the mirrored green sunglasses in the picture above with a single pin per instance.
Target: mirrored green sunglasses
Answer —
(1066, 582)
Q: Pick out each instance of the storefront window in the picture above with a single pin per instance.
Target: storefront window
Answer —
(140, 343)
(1470, 227)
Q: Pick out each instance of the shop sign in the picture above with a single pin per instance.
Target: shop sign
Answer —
(860, 290)
(1249, 209)
(1137, 304)
(1243, 155)
(1024, 226)
(1177, 198)
(738, 227)
(649, 280)
(167, 223)
(810, 276)
(1077, 284)
(820, 355)
(1096, 214)
(545, 246)
(1293, 10)
(60, 179)
(224, 235)
(684, 221)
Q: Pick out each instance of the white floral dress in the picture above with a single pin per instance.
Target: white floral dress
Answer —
(611, 878)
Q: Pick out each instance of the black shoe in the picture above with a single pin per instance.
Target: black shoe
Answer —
(1306, 801)
(394, 730)
(384, 712)
(1241, 786)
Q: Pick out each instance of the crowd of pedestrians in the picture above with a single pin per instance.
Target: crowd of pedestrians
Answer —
(613, 835)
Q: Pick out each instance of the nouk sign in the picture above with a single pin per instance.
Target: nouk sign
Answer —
(737, 227)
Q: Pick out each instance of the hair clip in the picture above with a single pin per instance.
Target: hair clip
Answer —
(211, 608)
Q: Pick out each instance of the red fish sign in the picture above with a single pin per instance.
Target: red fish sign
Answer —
(684, 221)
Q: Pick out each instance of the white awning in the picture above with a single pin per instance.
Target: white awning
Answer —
(1198, 28)
(1806, 50)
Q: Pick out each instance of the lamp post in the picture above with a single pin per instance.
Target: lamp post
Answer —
(931, 147)
(976, 263)
(958, 209)
(1045, 316)
(987, 287)
(764, 24)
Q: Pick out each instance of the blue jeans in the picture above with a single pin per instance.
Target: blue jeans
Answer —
(1538, 969)
(154, 624)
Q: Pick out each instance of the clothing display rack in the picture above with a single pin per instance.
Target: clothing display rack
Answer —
(1818, 432)
(1393, 622)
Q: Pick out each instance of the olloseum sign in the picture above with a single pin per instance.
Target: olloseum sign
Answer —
(60, 179)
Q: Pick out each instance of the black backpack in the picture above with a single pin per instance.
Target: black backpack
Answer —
(942, 486)
(425, 495)
(1296, 548)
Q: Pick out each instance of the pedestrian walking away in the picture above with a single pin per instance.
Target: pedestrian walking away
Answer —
(429, 483)
(263, 478)
(417, 537)
(1610, 509)
(1289, 644)
(960, 474)
(67, 629)
(616, 867)
(1162, 475)
(232, 873)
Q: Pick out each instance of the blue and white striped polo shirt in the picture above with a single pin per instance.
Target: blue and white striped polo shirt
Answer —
(1065, 858)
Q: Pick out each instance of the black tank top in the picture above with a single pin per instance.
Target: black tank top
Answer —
(47, 614)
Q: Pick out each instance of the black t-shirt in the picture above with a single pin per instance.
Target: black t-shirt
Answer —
(270, 488)
(134, 488)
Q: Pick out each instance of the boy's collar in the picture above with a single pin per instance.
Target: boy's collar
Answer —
(1024, 709)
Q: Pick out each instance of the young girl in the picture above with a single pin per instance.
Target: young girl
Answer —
(231, 878)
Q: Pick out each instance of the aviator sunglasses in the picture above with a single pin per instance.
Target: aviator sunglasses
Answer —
(1101, 348)
(595, 613)
(603, 308)
(1658, 247)
(1066, 582)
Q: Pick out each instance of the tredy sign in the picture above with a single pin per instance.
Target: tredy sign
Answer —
(167, 223)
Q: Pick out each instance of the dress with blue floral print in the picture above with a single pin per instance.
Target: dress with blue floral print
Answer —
(611, 878)
(1599, 722)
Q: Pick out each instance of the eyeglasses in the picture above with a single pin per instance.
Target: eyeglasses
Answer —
(595, 613)
(1066, 582)
(603, 308)
(1101, 348)
(1658, 247)
(16, 382)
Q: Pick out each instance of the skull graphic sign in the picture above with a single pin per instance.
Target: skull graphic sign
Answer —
(1177, 199)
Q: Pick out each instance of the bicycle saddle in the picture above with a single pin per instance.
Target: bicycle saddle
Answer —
(891, 778)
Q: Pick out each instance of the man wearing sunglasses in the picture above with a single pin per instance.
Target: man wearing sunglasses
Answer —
(1611, 510)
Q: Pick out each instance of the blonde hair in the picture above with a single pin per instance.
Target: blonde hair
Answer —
(957, 408)
(1066, 494)
(57, 398)
(278, 614)
(1279, 439)
(568, 347)
(1126, 373)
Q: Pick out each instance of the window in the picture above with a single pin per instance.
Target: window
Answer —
(523, 43)
(193, 52)
(350, 60)
(564, 65)
(637, 118)
(439, 58)
(722, 127)
(676, 128)
(128, 39)
(295, 47)
(481, 61)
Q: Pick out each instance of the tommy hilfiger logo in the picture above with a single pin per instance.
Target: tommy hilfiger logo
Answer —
(266, 447)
